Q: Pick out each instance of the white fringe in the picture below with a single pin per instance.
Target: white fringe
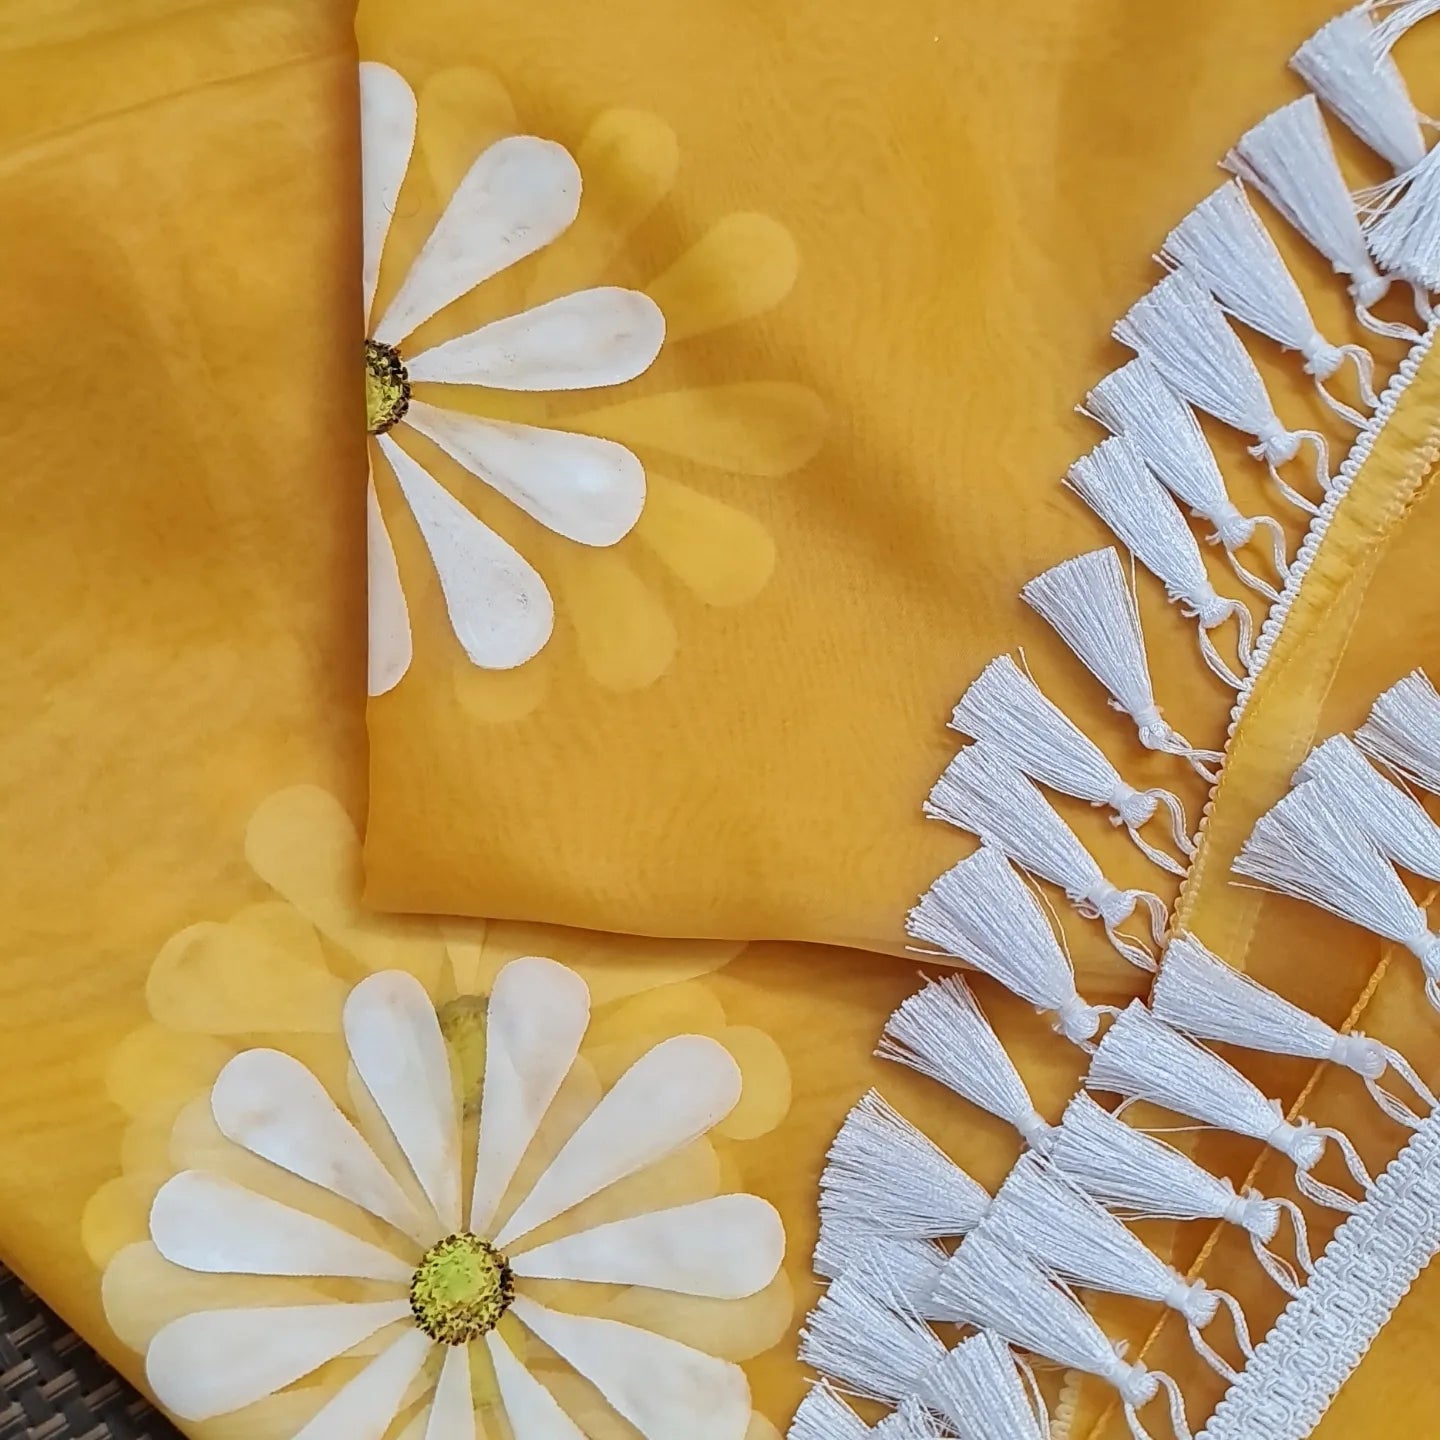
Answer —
(1403, 17)
(1115, 482)
(1142, 1058)
(1402, 225)
(1361, 85)
(910, 1421)
(986, 1286)
(1007, 710)
(1039, 1213)
(823, 1415)
(1134, 401)
(1181, 328)
(985, 1394)
(1091, 607)
(885, 1177)
(982, 912)
(912, 1266)
(1289, 159)
(1403, 731)
(981, 792)
(1304, 847)
(866, 1337)
(942, 1032)
(1223, 243)
(1141, 1177)
(1199, 994)
(1366, 800)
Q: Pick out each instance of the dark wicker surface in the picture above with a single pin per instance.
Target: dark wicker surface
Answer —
(53, 1386)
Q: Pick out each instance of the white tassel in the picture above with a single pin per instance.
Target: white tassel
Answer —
(1403, 731)
(1006, 709)
(1303, 847)
(942, 1032)
(823, 1415)
(1141, 1177)
(1223, 243)
(985, 1394)
(1090, 605)
(1181, 328)
(1197, 992)
(1391, 817)
(1142, 1058)
(1289, 159)
(1361, 85)
(1115, 482)
(1039, 1213)
(982, 912)
(1134, 401)
(1402, 225)
(844, 1247)
(981, 792)
(986, 1286)
(885, 1177)
(864, 1335)
(910, 1421)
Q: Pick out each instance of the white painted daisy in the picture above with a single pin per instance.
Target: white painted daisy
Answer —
(520, 195)
(446, 1280)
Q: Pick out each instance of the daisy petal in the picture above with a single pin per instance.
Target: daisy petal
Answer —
(271, 1105)
(205, 1223)
(515, 199)
(604, 336)
(387, 136)
(396, 1046)
(452, 1414)
(669, 1097)
(531, 1410)
(499, 607)
(662, 1388)
(363, 1408)
(725, 1248)
(535, 1021)
(584, 488)
(215, 1361)
(389, 629)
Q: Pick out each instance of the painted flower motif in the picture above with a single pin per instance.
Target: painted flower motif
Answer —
(276, 976)
(517, 197)
(447, 1269)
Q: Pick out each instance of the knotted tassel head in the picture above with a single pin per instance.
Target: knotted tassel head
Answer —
(823, 1415)
(1389, 816)
(992, 1288)
(1305, 847)
(1117, 485)
(1040, 1213)
(1288, 157)
(1134, 401)
(1223, 243)
(1088, 602)
(942, 1032)
(1142, 1058)
(1007, 710)
(982, 792)
(981, 1389)
(884, 1177)
(1182, 330)
(982, 912)
(1403, 731)
(1361, 85)
(1200, 994)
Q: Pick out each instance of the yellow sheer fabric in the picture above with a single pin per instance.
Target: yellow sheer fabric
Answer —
(862, 464)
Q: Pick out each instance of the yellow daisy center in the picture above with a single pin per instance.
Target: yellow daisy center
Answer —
(387, 387)
(461, 1290)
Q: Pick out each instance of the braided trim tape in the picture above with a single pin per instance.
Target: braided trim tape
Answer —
(1325, 1331)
